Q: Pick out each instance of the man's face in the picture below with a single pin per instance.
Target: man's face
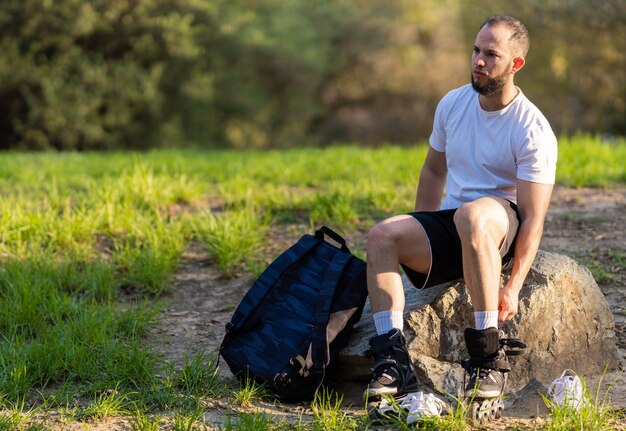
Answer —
(492, 60)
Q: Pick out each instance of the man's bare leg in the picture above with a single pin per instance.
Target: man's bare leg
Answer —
(397, 240)
(482, 226)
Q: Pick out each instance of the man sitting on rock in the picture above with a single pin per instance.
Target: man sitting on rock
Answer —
(495, 155)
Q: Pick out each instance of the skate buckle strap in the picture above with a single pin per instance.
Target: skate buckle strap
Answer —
(499, 364)
(385, 362)
(515, 346)
(379, 347)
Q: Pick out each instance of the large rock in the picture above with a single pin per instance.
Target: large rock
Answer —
(563, 318)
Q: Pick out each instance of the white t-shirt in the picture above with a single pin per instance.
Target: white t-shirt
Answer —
(487, 151)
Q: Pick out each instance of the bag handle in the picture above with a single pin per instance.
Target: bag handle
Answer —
(319, 347)
(325, 230)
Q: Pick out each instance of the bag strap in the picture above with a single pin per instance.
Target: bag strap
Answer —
(267, 280)
(319, 347)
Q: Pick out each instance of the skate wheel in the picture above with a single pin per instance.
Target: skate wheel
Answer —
(477, 414)
(485, 411)
(498, 408)
(498, 412)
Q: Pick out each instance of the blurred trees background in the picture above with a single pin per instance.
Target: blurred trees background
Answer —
(102, 74)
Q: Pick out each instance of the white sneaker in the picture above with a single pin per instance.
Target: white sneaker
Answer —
(567, 390)
(416, 405)
(424, 406)
(390, 406)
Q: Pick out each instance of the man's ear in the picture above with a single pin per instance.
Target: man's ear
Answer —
(518, 63)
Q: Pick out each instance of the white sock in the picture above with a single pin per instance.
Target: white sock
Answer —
(387, 320)
(486, 319)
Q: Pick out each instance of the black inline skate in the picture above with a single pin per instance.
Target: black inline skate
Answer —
(393, 370)
(487, 367)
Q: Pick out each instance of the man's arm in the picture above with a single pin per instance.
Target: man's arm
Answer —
(431, 181)
(533, 200)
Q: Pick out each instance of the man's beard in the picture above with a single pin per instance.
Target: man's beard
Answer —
(492, 85)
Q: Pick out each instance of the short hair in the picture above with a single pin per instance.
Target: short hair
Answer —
(519, 33)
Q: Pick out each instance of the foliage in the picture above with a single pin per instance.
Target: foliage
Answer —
(273, 73)
(79, 75)
(135, 74)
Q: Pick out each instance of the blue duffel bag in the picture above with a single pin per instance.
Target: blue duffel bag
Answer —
(290, 326)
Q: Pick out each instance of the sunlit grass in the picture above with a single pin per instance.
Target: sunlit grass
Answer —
(328, 414)
(89, 243)
(590, 161)
(249, 391)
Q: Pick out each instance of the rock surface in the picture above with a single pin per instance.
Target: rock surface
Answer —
(563, 318)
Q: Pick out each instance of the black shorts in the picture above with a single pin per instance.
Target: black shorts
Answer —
(445, 245)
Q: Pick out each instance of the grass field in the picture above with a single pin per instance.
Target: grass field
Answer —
(89, 242)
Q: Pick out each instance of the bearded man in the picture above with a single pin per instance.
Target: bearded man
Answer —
(494, 154)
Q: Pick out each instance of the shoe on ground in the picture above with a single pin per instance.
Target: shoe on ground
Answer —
(567, 390)
(390, 407)
(415, 406)
(425, 406)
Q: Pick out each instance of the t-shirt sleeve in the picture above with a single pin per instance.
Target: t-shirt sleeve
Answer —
(537, 155)
(437, 138)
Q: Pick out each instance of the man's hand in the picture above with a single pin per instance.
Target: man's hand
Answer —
(507, 303)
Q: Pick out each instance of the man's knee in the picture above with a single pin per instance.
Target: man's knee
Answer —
(390, 234)
(480, 219)
(381, 236)
(468, 218)
(400, 238)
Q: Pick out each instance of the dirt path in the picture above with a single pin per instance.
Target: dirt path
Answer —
(588, 224)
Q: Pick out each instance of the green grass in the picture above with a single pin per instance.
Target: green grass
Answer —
(328, 414)
(106, 404)
(89, 243)
(249, 422)
(16, 415)
(249, 392)
(188, 421)
(606, 266)
(140, 421)
(198, 376)
(591, 162)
